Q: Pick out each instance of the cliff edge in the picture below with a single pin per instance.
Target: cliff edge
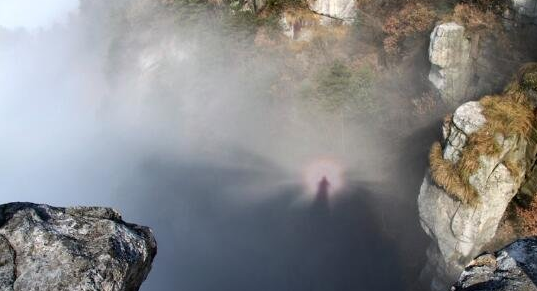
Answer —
(80, 248)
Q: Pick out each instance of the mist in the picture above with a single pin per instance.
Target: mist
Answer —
(174, 125)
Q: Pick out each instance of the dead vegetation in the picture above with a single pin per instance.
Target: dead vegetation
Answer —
(447, 175)
(526, 219)
(507, 116)
(472, 17)
(520, 220)
(413, 19)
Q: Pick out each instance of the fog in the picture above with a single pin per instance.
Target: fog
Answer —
(173, 126)
(35, 14)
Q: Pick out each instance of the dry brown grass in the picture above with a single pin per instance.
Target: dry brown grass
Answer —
(300, 16)
(513, 167)
(505, 115)
(508, 115)
(525, 219)
(472, 17)
(446, 174)
(412, 19)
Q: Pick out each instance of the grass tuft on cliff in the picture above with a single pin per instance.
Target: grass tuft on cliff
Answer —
(507, 116)
(447, 175)
(526, 79)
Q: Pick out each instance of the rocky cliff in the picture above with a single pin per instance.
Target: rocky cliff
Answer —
(523, 10)
(513, 268)
(474, 53)
(82, 248)
(334, 10)
(486, 156)
(451, 65)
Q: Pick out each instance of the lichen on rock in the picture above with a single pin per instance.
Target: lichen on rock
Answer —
(513, 268)
(84, 248)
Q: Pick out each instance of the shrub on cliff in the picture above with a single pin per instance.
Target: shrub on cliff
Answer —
(526, 79)
(413, 19)
(447, 175)
(339, 88)
(473, 18)
(508, 116)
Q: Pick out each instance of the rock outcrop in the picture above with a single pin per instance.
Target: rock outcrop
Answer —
(63, 249)
(451, 65)
(488, 150)
(334, 10)
(513, 268)
(298, 24)
(524, 11)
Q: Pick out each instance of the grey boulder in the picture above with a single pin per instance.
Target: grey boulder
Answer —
(82, 248)
(513, 268)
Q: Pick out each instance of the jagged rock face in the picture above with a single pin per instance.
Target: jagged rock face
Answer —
(460, 230)
(525, 10)
(468, 119)
(451, 65)
(84, 248)
(335, 10)
(513, 268)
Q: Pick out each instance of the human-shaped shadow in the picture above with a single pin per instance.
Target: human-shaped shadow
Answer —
(209, 241)
(322, 190)
(321, 208)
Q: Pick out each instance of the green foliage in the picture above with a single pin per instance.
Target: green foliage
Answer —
(529, 81)
(358, 21)
(339, 88)
(239, 20)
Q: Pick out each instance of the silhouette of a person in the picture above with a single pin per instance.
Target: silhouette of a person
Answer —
(321, 211)
(322, 190)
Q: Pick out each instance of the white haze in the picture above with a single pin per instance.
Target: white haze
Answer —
(35, 14)
(175, 134)
(60, 113)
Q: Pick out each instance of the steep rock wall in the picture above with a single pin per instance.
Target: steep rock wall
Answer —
(334, 10)
(451, 65)
(486, 157)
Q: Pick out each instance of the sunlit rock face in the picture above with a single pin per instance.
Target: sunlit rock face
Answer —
(451, 65)
(84, 248)
(299, 25)
(460, 230)
(513, 268)
(334, 10)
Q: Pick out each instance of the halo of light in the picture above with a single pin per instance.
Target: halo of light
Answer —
(314, 172)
